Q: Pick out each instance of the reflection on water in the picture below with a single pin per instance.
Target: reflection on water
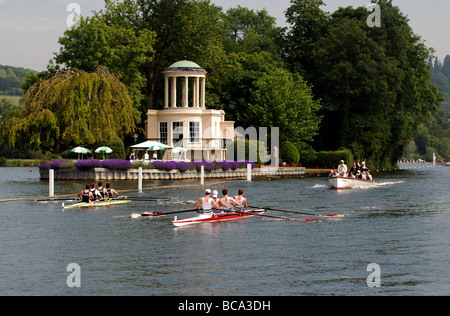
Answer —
(401, 224)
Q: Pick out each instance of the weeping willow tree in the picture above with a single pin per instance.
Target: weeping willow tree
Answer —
(72, 108)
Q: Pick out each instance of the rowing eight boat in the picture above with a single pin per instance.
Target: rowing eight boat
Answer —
(95, 204)
(208, 218)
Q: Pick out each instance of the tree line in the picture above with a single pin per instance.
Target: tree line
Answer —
(433, 134)
(327, 80)
(11, 79)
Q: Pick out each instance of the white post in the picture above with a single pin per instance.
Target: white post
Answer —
(202, 175)
(51, 181)
(434, 159)
(140, 180)
(249, 172)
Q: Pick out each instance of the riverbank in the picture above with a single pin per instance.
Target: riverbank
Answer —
(155, 174)
(20, 162)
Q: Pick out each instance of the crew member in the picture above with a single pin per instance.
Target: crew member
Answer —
(102, 193)
(86, 194)
(240, 199)
(206, 203)
(226, 201)
(111, 191)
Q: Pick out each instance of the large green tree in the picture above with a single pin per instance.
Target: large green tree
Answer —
(307, 24)
(185, 29)
(374, 83)
(120, 48)
(284, 100)
(71, 108)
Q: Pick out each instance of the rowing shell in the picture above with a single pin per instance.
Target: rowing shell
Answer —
(95, 204)
(208, 218)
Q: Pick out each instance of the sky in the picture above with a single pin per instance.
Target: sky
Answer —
(29, 29)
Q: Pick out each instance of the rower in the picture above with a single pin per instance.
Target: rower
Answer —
(102, 193)
(240, 199)
(86, 194)
(94, 191)
(206, 203)
(111, 191)
(215, 198)
(226, 201)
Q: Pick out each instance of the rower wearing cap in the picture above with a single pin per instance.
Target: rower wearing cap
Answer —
(342, 169)
(206, 203)
(215, 198)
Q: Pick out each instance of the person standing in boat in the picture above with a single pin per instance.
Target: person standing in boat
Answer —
(206, 203)
(240, 199)
(86, 195)
(342, 169)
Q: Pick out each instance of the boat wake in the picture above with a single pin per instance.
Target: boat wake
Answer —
(382, 184)
(376, 184)
(320, 186)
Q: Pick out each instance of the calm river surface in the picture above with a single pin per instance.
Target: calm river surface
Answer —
(401, 224)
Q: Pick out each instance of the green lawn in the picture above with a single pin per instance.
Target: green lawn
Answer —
(13, 99)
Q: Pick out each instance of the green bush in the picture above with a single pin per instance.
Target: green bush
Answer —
(118, 149)
(289, 153)
(326, 159)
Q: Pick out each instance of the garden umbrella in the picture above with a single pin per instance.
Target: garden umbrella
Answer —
(80, 150)
(156, 147)
(103, 150)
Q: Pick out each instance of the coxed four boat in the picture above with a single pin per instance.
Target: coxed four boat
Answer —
(95, 204)
(208, 218)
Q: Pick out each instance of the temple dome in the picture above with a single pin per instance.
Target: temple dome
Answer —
(185, 65)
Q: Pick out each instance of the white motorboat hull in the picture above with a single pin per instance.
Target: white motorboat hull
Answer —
(348, 183)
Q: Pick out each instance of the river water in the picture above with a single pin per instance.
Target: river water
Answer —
(401, 225)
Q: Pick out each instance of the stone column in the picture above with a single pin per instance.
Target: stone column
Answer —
(202, 101)
(185, 92)
(166, 91)
(174, 92)
(197, 92)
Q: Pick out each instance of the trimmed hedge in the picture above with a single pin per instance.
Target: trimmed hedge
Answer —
(289, 153)
(326, 159)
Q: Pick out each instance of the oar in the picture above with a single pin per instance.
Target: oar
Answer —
(58, 199)
(297, 212)
(150, 199)
(280, 217)
(155, 214)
